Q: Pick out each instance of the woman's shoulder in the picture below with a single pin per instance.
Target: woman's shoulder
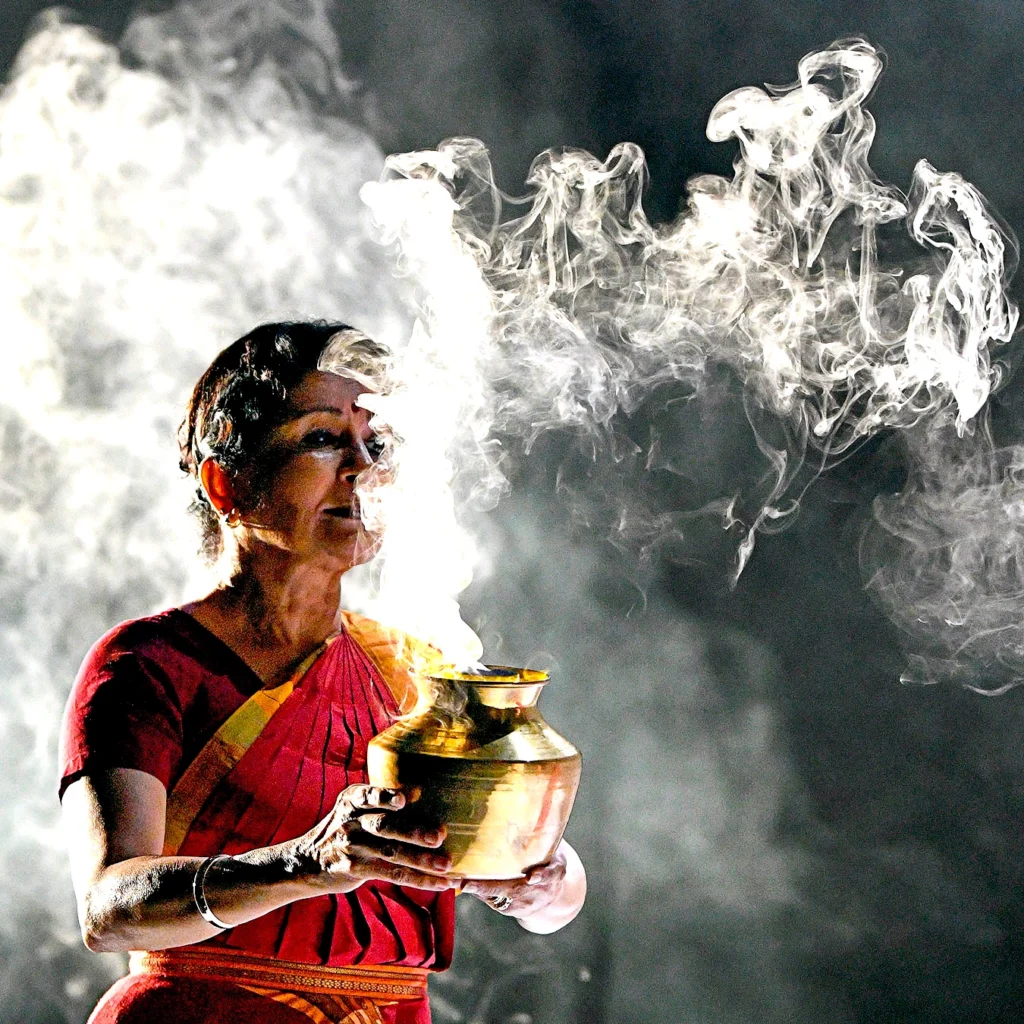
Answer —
(169, 653)
(148, 637)
(369, 632)
(397, 656)
(128, 703)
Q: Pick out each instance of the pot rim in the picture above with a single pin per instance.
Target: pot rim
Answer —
(492, 675)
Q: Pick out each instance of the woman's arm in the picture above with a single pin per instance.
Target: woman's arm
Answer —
(547, 899)
(131, 897)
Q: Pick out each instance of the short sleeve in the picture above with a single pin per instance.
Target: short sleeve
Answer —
(123, 712)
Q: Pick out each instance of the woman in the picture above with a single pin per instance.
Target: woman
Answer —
(213, 755)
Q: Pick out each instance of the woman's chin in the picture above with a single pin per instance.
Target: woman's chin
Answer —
(365, 546)
(354, 547)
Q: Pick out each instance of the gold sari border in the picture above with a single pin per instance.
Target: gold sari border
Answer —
(385, 982)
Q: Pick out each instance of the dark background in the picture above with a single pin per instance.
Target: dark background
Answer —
(775, 828)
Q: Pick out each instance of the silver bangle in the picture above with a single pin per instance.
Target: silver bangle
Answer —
(500, 903)
(199, 892)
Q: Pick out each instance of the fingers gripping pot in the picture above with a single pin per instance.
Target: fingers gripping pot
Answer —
(476, 755)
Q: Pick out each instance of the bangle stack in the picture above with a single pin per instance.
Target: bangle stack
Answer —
(199, 892)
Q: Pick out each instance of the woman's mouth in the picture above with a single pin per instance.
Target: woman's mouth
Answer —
(344, 511)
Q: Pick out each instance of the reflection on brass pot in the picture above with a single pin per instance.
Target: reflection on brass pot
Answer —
(476, 755)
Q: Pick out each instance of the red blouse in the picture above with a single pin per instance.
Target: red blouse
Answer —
(153, 691)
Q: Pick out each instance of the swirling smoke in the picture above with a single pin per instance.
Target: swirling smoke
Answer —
(160, 197)
(579, 309)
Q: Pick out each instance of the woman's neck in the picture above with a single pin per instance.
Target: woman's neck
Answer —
(273, 608)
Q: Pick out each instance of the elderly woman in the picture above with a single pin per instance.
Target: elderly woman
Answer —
(213, 755)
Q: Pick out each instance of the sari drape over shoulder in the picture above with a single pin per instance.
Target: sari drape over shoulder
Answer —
(247, 766)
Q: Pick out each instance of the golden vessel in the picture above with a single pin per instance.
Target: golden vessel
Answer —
(476, 755)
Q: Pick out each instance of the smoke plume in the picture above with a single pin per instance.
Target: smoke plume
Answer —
(842, 305)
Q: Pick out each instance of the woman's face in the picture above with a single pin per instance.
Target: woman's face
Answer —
(307, 504)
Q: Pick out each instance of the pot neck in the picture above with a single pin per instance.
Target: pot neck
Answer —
(492, 686)
(454, 692)
(513, 695)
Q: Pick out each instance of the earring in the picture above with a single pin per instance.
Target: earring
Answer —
(232, 518)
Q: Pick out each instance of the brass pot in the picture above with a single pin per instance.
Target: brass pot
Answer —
(476, 755)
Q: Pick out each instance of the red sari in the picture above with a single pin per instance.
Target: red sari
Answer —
(151, 695)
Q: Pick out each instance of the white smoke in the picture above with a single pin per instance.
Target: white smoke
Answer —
(439, 409)
(945, 558)
(155, 202)
(797, 274)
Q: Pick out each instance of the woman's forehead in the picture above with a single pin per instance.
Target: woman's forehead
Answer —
(325, 391)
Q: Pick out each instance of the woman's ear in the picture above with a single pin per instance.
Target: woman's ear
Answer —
(216, 482)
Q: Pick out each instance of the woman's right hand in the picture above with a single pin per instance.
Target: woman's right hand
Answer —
(130, 896)
(364, 837)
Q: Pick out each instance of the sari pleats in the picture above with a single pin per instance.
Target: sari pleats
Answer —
(286, 782)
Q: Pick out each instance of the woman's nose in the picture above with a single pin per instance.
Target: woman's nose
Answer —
(363, 460)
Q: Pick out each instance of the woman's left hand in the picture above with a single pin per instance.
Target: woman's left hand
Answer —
(547, 898)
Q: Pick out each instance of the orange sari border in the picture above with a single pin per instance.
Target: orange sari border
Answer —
(381, 983)
(339, 1009)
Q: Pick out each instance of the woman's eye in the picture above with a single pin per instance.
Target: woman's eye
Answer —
(375, 445)
(328, 443)
(320, 439)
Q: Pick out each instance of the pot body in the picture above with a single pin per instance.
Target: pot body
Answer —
(476, 756)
